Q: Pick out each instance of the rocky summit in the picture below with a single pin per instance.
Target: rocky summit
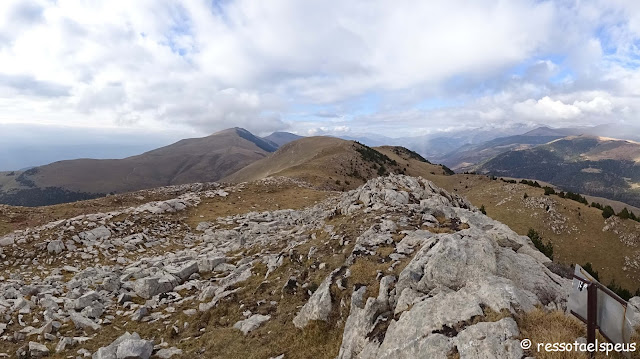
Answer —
(397, 268)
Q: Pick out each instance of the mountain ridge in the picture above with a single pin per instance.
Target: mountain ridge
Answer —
(204, 159)
(584, 164)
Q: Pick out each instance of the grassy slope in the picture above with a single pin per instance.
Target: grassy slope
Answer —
(586, 242)
(191, 160)
(329, 163)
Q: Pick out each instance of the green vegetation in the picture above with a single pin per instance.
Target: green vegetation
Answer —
(550, 191)
(622, 292)
(607, 212)
(613, 286)
(574, 196)
(447, 171)
(483, 210)
(531, 183)
(626, 214)
(546, 249)
(378, 159)
(563, 165)
(411, 154)
(370, 155)
(32, 197)
(589, 268)
(525, 195)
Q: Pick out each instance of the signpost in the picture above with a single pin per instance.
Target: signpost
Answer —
(600, 308)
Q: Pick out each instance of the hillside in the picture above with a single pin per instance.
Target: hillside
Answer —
(191, 160)
(578, 232)
(333, 163)
(597, 166)
(395, 268)
(467, 158)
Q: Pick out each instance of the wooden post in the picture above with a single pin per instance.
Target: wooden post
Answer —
(592, 313)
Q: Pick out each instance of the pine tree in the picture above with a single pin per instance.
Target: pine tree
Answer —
(624, 214)
(607, 212)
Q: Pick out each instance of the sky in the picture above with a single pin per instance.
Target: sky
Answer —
(147, 72)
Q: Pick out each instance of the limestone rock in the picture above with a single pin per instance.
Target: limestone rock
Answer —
(55, 247)
(37, 350)
(251, 323)
(490, 340)
(109, 352)
(134, 349)
(86, 300)
(363, 318)
(319, 305)
(183, 271)
(168, 353)
(84, 323)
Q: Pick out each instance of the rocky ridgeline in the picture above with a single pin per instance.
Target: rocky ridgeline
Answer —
(448, 268)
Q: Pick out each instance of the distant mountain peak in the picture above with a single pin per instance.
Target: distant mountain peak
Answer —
(281, 138)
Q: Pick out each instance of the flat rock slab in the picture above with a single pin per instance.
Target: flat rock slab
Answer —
(251, 323)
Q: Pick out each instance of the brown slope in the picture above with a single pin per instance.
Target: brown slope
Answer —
(191, 160)
(332, 163)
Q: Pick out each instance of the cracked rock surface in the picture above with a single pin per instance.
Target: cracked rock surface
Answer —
(397, 268)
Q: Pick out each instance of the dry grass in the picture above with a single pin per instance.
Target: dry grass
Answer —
(586, 243)
(556, 327)
(255, 197)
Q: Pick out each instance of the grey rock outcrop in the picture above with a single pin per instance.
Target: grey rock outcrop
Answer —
(84, 323)
(134, 349)
(319, 305)
(251, 323)
(37, 350)
(55, 247)
(168, 353)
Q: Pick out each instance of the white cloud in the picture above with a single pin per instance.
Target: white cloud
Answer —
(191, 65)
(546, 108)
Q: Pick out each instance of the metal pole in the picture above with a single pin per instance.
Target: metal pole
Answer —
(592, 313)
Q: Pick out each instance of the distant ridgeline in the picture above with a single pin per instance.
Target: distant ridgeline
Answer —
(205, 159)
(573, 170)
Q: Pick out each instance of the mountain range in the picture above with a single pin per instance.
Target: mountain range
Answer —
(591, 165)
(597, 166)
(204, 159)
(231, 155)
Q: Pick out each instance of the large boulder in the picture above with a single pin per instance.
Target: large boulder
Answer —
(109, 352)
(318, 306)
(37, 350)
(55, 247)
(134, 349)
(84, 323)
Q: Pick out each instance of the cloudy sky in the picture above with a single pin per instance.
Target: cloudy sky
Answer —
(150, 71)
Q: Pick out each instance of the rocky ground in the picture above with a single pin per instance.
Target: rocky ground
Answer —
(397, 268)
